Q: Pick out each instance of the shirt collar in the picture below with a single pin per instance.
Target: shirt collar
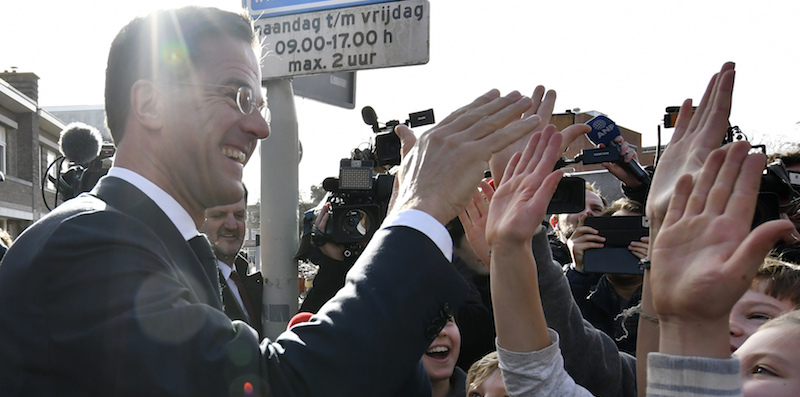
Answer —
(174, 211)
(224, 269)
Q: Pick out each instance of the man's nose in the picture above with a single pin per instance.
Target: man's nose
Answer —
(230, 222)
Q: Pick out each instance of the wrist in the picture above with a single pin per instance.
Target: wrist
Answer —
(694, 338)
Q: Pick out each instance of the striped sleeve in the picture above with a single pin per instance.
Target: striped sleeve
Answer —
(669, 376)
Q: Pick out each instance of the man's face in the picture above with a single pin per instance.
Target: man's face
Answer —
(225, 229)
(770, 365)
(442, 354)
(751, 311)
(567, 223)
(206, 141)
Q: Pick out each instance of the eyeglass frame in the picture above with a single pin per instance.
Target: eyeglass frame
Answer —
(263, 109)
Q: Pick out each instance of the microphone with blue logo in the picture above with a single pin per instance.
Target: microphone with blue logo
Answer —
(604, 131)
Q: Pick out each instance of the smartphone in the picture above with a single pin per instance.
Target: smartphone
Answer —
(615, 257)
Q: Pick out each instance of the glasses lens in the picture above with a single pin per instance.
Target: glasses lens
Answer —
(244, 98)
(266, 113)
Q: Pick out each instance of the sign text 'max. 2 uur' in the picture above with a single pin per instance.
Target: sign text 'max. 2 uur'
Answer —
(356, 38)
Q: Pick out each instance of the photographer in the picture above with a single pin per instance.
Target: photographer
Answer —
(603, 298)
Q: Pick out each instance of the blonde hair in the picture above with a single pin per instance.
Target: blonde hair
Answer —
(482, 369)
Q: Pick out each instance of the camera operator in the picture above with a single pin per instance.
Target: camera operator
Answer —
(329, 258)
(604, 297)
(568, 248)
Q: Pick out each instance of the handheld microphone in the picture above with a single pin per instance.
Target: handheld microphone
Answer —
(604, 131)
(80, 143)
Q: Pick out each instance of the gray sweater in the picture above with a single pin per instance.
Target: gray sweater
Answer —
(538, 373)
(590, 356)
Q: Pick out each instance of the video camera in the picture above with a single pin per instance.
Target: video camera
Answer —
(777, 194)
(88, 157)
(359, 197)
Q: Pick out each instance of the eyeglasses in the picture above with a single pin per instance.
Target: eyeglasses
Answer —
(244, 97)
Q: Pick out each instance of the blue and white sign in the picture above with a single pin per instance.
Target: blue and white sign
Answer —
(270, 8)
(345, 39)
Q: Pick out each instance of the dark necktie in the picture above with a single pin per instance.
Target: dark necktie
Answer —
(202, 248)
(248, 306)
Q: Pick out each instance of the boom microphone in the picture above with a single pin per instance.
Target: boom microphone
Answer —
(603, 132)
(80, 143)
(370, 118)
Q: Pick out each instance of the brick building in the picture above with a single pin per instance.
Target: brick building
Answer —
(28, 144)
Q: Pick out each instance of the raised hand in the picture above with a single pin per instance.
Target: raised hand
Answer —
(694, 138)
(473, 219)
(516, 211)
(519, 203)
(542, 106)
(706, 256)
(457, 151)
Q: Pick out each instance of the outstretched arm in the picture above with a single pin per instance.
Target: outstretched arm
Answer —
(515, 215)
(703, 261)
(695, 136)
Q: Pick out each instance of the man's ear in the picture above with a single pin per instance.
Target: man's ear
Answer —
(147, 104)
(554, 221)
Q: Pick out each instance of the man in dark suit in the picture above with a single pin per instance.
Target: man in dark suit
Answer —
(116, 293)
(242, 285)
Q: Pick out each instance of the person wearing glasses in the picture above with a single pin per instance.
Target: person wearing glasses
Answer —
(115, 292)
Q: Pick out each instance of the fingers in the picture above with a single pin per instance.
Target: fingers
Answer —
(489, 117)
(750, 254)
(478, 102)
(537, 96)
(407, 138)
(677, 205)
(716, 121)
(684, 118)
(571, 133)
(733, 176)
(708, 174)
(321, 220)
(488, 191)
(744, 195)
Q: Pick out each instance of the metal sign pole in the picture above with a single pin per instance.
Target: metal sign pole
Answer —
(279, 206)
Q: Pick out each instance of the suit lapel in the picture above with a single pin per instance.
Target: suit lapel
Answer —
(127, 199)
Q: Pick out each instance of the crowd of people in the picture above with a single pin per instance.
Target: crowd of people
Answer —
(469, 287)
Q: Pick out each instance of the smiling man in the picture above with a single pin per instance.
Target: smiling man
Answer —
(242, 284)
(115, 292)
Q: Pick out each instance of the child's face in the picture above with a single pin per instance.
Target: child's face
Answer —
(442, 354)
(752, 310)
(492, 387)
(770, 362)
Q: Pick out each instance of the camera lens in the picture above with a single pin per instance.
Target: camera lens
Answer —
(356, 223)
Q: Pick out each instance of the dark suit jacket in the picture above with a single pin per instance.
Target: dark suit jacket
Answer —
(254, 288)
(104, 297)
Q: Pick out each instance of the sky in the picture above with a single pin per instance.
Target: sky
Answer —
(627, 59)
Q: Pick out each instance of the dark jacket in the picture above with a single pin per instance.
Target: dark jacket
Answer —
(103, 296)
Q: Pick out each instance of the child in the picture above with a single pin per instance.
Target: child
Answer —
(484, 378)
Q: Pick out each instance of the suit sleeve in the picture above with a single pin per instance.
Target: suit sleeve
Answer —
(130, 323)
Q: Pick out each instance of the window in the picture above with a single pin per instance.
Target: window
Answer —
(51, 156)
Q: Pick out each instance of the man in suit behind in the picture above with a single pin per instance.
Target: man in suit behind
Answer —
(116, 293)
(242, 284)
